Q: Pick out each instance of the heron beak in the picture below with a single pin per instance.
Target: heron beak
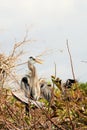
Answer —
(38, 61)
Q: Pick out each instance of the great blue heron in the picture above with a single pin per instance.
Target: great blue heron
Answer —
(69, 83)
(33, 86)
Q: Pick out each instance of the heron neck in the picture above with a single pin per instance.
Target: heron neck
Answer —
(34, 73)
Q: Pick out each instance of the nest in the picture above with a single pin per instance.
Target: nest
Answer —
(9, 63)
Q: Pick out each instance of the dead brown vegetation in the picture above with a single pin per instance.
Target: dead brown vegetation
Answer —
(65, 111)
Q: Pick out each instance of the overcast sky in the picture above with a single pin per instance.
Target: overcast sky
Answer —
(50, 23)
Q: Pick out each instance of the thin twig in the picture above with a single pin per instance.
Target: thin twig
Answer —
(68, 110)
(70, 60)
(52, 97)
(48, 52)
(18, 45)
(84, 61)
(55, 69)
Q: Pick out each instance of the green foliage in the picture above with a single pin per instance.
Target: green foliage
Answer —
(83, 86)
(70, 106)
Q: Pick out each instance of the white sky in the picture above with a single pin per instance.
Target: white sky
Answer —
(50, 22)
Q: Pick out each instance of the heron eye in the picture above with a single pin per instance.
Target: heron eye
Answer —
(30, 57)
(42, 85)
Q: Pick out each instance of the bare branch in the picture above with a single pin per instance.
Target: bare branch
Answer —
(48, 52)
(84, 61)
(70, 60)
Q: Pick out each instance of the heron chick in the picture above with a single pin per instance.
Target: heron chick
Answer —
(45, 90)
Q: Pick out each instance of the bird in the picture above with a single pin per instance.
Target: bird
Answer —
(45, 89)
(69, 83)
(35, 87)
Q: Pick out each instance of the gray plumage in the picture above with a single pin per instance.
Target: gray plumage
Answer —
(46, 92)
(25, 85)
(34, 87)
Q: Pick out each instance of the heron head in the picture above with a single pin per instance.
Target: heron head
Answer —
(35, 60)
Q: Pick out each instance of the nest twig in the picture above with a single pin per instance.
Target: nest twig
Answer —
(9, 63)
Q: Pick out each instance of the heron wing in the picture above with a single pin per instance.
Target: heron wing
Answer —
(45, 92)
(25, 86)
